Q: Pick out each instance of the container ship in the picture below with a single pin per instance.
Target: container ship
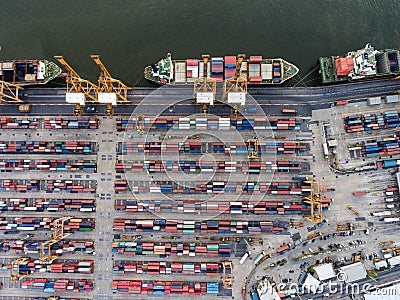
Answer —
(360, 64)
(28, 72)
(256, 70)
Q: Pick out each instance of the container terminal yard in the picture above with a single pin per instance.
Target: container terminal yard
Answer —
(183, 192)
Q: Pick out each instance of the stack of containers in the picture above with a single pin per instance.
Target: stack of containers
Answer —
(255, 69)
(71, 186)
(18, 123)
(71, 123)
(230, 66)
(217, 71)
(24, 247)
(20, 185)
(41, 204)
(30, 266)
(385, 146)
(171, 249)
(161, 288)
(47, 165)
(277, 72)
(186, 226)
(192, 69)
(30, 224)
(57, 285)
(41, 147)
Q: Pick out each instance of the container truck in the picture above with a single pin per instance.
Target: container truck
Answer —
(244, 257)
(258, 258)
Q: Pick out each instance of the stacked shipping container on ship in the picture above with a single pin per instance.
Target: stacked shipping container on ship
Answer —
(211, 147)
(230, 66)
(192, 69)
(25, 247)
(7, 165)
(277, 188)
(18, 123)
(69, 147)
(252, 167)
(160, 288)
(366, 122)
(50, 205)
(171, 249)
(164, 267)
(193, 206)
(217, 68)
(57, 285)
(71, 123)
(186, 226)
(30, 224)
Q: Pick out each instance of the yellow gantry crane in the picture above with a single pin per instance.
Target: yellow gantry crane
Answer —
(140, 124)
(15, 273)
(226, 278)
(353, 210)
(314, 199)
(235, 88)
(110, 90)
(58, 235)
(205, 88)
(79, 90)
(9, 92)
(252, 148)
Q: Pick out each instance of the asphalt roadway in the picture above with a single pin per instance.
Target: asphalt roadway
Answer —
(177, 100)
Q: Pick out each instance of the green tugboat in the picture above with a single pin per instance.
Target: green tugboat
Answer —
(360, 64)
(255, 69)
(28, 72)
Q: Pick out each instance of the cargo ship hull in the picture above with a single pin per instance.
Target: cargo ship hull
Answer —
(256, 70)
(28, 72)
(366, 63)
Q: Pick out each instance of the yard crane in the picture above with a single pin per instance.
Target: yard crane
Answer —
(314, 199)
(227, 274)
(9, 92)
(15, 273)
(58, 235)
(79, 90)
(205, 88)
(252, 148)
(110, 90)
(140, 123)
(235, 88)
(353, 210)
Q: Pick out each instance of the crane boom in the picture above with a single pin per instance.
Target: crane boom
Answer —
(9, 92)
(205, 88)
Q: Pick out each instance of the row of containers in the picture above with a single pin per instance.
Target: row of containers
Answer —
(365, 122)
(7, 165)
(57, 285)
(252, 167)
(161, 288)
(64, 246)
(46, 147)
(48, 205)
(30, 266)
(30, 224)
(210, 147)
(167, 267)
(48, 123)
(377, 147)
(185, 123)
(197, 207)
(388, 163)
(215, 187)
(188, 226)
(164, 249)
(50, 186)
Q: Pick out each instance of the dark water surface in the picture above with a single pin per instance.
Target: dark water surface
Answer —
(132, 34)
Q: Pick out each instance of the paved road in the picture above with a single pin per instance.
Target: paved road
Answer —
(51, 101)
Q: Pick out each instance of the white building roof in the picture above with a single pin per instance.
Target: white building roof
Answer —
(394, 261)
(325, 271)
(266, 291)
(311, 284)
(354, 272)
(387, 293)
(381, 264)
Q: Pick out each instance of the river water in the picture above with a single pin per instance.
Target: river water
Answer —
(132, 34)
